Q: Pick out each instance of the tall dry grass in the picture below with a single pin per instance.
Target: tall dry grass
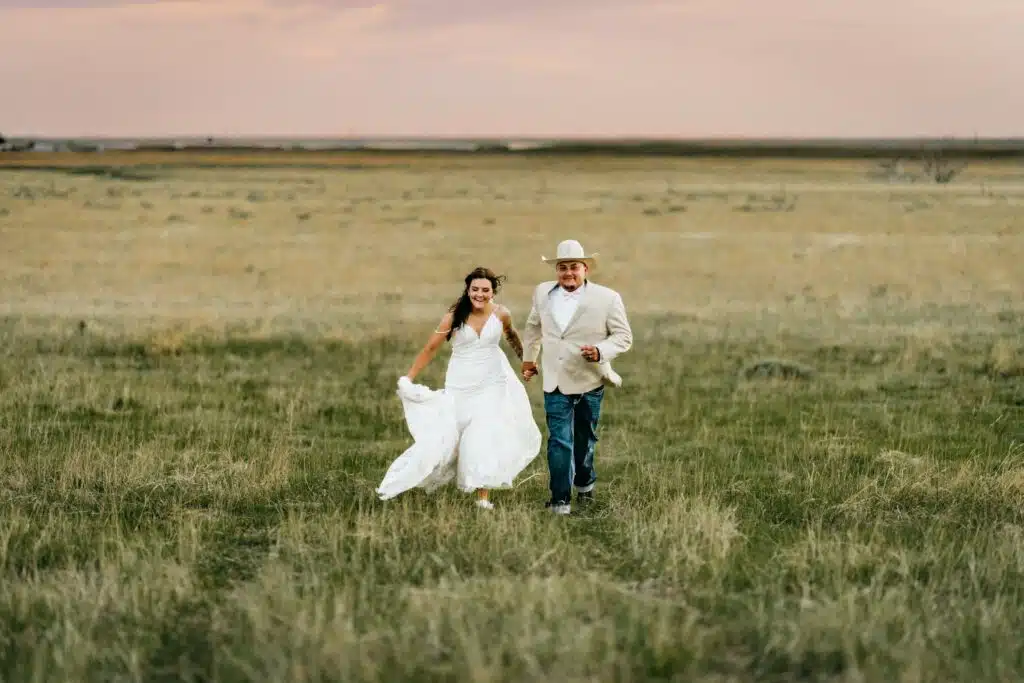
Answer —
(196, 403)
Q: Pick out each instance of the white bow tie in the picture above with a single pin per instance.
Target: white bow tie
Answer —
(575, 294)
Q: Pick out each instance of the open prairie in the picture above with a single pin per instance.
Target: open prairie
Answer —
(814, 469)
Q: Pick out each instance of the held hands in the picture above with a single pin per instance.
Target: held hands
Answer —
(529, 370)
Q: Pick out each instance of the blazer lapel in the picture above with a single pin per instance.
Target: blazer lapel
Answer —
(546, 308)
(580, 308)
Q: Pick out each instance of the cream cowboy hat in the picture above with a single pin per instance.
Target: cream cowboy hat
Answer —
(571, 250)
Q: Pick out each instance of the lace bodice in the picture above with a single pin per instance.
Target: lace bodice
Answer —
(476, 358)
(466, 337)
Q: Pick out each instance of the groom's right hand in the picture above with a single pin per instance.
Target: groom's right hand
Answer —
(529, 370)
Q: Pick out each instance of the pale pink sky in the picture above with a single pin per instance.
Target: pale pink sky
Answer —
(513, 67)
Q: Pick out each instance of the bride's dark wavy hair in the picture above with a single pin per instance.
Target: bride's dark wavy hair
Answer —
(463, 306)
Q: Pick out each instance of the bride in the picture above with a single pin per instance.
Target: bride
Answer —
(479, 430)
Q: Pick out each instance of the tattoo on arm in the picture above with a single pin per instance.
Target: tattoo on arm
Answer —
(512, 337)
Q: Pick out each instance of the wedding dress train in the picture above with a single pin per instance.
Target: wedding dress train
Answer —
(479, 430)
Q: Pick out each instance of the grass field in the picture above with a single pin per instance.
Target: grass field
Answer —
(197, 400)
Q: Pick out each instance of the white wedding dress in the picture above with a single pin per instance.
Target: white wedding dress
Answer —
(479, 430)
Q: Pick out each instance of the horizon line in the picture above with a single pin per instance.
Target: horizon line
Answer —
(501, 137)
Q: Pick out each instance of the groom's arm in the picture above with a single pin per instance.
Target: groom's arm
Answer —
(620, 334)
(532, 334)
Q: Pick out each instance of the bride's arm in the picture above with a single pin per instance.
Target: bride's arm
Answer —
(511, 334)
(434, 342)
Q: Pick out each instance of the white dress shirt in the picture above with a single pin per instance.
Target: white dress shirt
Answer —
(564, 304)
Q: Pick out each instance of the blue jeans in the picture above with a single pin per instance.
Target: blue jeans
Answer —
(572, 434)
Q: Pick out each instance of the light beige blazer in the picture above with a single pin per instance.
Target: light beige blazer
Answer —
(600, 320)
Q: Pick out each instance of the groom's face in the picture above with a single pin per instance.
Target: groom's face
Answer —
(571, 274)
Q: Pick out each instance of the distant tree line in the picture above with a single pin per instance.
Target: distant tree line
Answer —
(7, 145)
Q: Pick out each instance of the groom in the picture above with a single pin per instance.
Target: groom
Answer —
(582, 327)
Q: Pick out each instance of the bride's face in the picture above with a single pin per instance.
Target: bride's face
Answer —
(480, 293)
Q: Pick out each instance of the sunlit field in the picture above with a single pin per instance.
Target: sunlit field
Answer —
(814, 469)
